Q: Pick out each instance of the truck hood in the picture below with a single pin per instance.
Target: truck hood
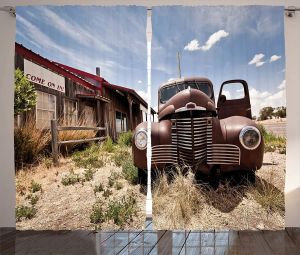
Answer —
(188, 99)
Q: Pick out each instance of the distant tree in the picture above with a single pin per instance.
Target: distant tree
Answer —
(25, 95)
(280, 112)
(266, 113)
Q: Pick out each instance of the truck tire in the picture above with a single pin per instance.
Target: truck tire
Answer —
(249, 177)
(142, 177)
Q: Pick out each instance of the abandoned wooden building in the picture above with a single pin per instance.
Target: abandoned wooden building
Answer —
(74, 96)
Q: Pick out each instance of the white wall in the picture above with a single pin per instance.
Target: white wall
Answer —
(292, 187)
(7, 170)
(7, 38)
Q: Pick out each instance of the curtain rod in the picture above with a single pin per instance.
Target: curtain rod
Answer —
(10, 9)
(290, 11)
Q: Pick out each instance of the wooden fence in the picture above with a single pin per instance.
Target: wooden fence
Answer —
(55, 138)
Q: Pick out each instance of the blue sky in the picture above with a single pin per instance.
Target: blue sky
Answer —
(220, 43)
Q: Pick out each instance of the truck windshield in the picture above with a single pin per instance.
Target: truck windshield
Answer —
(167, 92)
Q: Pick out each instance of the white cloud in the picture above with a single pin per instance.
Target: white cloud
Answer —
(78, 33)
(282, 85)
(143, 94)
(257, 60)
(213, 39)
(274, 58)
(76, 59)
(171, 79)
(192, 45)
(260, 99)
(139, 82)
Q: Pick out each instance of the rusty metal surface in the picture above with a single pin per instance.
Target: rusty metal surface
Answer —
(190, 132)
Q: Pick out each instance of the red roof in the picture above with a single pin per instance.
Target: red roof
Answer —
(94, 77)
(80, 72)
(103, 82)
(30, 55)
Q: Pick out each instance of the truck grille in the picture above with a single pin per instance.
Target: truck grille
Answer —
(192, 145)
(223, 154)
(192, 136)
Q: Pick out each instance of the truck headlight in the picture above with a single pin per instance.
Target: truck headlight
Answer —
(250, 137)
(140, 139)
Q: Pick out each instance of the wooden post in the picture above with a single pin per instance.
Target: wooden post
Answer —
(107, 132)
(54, 140)
(130, 112)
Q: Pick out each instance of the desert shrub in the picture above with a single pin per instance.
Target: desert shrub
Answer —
(108, 145)
(88, 158)
(88, 174)
(118, 185)
(122, 211)
(111, 182)
(21, 189)
(121, 155)
(70, 179)
(119, 211)
(98, 213)
(33, 199)
(130, 172)
(25, 212)
(106, 193)
(98, 188)
(30, 143)
(114, 176)
(48, 162)
(273, 142)
(125, 139)
(35, 187)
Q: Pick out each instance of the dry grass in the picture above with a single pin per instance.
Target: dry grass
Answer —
(184, 204)
(74, 134)
(178, 200)
(267, 195)
(30, 143)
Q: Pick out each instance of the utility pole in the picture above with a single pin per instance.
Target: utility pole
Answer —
(178, 62)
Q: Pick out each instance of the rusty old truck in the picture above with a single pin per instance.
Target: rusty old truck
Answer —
(192, 131)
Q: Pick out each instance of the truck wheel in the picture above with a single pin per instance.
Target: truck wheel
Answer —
(212, 180)
(250, 177)
(142, 177)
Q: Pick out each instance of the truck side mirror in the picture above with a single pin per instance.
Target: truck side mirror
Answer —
(222, 99)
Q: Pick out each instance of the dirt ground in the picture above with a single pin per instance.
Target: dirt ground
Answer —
(69, 207)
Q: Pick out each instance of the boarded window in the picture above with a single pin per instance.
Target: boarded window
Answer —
(45, 109)
(70, 112)
(89, 116)
(121, 122)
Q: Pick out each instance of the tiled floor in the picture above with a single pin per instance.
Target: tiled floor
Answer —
(150, 242)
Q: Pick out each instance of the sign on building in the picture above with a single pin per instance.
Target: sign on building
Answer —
(43, 76)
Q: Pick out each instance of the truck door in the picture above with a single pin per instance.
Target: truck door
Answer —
(234, 99)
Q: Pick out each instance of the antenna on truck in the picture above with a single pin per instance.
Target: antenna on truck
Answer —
(178, 62)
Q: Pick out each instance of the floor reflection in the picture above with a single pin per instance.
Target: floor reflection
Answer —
(150, 242)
